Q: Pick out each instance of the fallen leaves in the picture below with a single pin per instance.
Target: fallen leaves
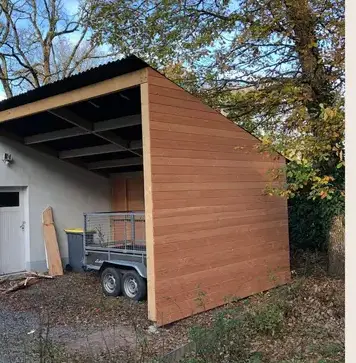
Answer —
(313, 317)
(29, 279)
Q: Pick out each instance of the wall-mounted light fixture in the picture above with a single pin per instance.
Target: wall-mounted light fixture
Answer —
(7, 158)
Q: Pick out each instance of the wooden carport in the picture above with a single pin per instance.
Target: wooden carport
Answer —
(211, 232)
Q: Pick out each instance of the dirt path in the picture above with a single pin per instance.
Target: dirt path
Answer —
(302, 321)
(78, 317)
(20, 331)
(75, 313)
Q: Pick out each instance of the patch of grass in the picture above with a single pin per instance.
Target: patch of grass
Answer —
(277, 326)
(301, 322)
(256, 357)
(331, 352)
(333, 349)
(200, 298)
(223, 342)
(267, 319)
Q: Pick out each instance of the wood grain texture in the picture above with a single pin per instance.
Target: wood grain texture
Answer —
(80, 94)
(127, 195)
(53, 256)
(119, 194)
(215, 233)
(147, 172)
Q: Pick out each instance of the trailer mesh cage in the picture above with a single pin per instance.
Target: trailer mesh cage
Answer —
(115, 230)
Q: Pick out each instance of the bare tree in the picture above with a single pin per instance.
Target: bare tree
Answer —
(40, 42)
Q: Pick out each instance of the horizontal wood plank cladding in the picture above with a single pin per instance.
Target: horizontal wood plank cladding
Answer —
(208, 225)
(158, 160)
(184, 119)
(171, 308)
(208, 170)
(174, 102)
(235, 154)
(186, 247)
(198, 130)
(174, 237)
(218, 275)
(168, 199)
(215, 231)
(156, 79)
(201, 210)
(218, 258)
(242, 145)
(239, 277)
(251, 177)
(213, 139)
(173, 93)
(178, 186)
(225, 215)
(172, 312)
(178, 111)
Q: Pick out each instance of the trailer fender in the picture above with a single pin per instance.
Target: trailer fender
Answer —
(139, 267)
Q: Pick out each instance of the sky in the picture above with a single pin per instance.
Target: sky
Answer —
(72, 7)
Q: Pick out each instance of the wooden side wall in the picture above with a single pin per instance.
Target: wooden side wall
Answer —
(215, 234)
(128, 195)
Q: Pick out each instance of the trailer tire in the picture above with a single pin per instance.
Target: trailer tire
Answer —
(134, 286)
(111, 281)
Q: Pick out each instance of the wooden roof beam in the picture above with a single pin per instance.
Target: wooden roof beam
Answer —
(55, 135)
(117, 123)
(112, 124)
(95, 150)
(111, 137)
(117, 163)
(73, 118)
(81, 94)
(88, 151)
(41, 148)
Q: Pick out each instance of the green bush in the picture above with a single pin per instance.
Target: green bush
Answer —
(310, 221)
(224, 341)
(268, 319)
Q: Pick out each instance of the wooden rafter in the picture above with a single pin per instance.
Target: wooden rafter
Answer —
(117, 163)
(88, 126)
(81, 94)
(100, 126)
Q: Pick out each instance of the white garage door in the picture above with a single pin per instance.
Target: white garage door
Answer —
(12, 235)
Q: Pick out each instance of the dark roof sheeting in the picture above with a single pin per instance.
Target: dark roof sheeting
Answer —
(86, 78)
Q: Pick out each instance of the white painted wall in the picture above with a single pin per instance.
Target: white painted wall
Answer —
(69, 190)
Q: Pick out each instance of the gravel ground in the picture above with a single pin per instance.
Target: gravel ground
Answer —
(20, 331)
(81, 319)
(14, 327)
(78, 317)
(73, 311)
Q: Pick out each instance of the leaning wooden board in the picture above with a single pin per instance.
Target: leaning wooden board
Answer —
(54, 262)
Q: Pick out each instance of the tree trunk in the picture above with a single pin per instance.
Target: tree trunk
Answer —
(307, 48)
(336, 247)
(4, 77)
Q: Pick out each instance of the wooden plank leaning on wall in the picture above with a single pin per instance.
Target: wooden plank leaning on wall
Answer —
(53, 256)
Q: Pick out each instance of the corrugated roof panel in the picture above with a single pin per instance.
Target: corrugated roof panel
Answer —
(88, 77)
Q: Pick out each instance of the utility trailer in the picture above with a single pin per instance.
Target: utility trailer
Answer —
(115, 246)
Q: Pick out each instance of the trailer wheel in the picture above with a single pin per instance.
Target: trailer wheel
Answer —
(134, 286)
(111, 281)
